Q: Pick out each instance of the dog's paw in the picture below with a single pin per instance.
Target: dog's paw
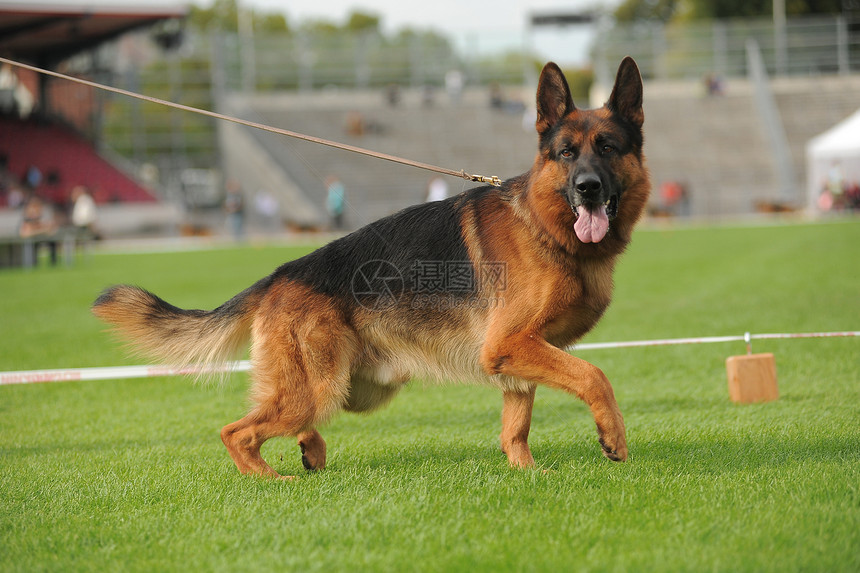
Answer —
(308, 464)
(312, 459)
(617, 454)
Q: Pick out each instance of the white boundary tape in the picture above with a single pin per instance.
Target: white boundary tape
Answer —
(113, 373)
(125, 372)
(706, 340)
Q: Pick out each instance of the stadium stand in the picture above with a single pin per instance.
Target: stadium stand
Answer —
(715, 146)
(470, 135)
(65, 159)
(45, 124)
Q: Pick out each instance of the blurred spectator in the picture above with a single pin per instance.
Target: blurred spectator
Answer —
(836, 183)
(33, 177)
(499, 102)
(354, 124)
(357, 125)
(675, 198)
(497, 98)
(15, 197)
(268, 209)
(234, 206)
(852, 195)
(335, 201)
(437, 190)
(713, 84)
(83, 212)
(838, 193)
(15, 98)
(392, 95)
(454, 82)
(38, 225)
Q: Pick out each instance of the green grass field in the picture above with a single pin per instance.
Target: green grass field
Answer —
(131, 475)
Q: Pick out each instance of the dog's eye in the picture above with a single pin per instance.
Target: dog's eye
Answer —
(607, 149)
(567, 153)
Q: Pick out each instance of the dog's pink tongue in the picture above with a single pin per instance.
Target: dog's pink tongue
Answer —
(591, 226)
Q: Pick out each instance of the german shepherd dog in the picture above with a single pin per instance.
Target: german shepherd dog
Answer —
(487, 286)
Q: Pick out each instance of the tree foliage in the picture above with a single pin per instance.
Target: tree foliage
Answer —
(635, 10)
(362, 22)
(224, 15)
(681, 10)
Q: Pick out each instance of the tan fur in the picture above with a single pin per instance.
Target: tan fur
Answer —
(193, 340)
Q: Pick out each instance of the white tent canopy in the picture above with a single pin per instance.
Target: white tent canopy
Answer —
(834, 153)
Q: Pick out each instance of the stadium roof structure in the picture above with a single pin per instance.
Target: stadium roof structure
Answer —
(49, 32)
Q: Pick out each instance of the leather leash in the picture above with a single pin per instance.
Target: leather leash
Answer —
(492, 180)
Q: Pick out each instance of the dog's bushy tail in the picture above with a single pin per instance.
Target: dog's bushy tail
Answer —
(180, 337)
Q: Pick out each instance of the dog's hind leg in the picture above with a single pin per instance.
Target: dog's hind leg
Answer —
(284, 409)
(516, 421)
(245, 437)
(301, 356)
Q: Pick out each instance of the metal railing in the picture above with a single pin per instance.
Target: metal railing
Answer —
(805, 46)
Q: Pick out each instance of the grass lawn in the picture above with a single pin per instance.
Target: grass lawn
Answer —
(131, 475)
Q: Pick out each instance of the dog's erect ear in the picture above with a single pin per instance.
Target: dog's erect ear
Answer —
(626, 98)
(553, 98)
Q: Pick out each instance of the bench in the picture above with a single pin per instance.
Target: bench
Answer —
(21, 251)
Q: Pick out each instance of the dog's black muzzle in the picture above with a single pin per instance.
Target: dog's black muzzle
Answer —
(588, 190)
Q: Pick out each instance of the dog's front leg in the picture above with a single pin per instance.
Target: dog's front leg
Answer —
(516, 421)
(528, 356)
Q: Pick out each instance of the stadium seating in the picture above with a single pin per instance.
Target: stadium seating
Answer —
(716, 146)
(64, 159)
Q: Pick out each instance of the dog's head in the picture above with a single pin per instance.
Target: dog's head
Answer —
(592, 157)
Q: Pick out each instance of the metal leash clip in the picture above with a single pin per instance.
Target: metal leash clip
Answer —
(492, 180)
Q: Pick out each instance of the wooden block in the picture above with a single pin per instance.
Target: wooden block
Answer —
(752, 378)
